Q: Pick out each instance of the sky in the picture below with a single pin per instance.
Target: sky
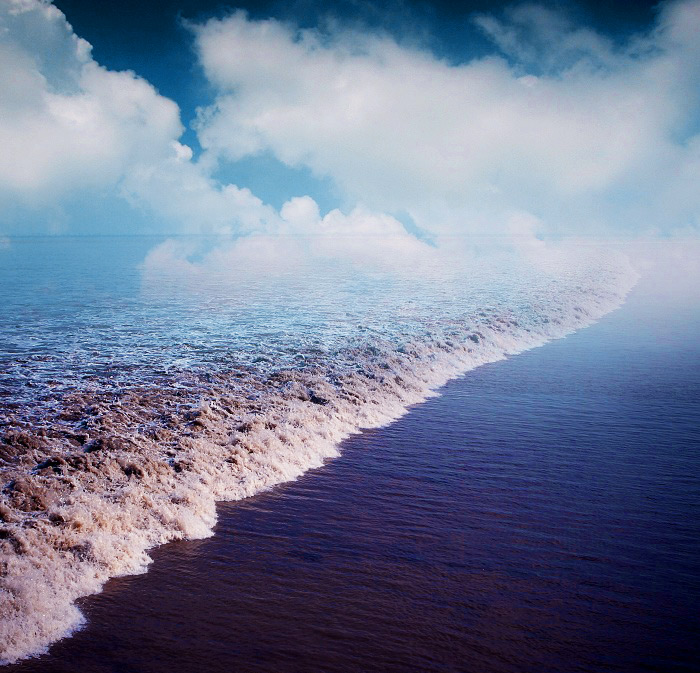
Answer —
(423, 123)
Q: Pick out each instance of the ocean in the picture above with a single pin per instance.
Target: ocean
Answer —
(536, 515)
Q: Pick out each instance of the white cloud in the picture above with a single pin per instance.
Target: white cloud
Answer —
(69, 126)
(590, 129)
(300, 239)
(65, 122)
(183, 195)
(565, 131)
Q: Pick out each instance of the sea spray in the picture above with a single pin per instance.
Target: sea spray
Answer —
(94, 477)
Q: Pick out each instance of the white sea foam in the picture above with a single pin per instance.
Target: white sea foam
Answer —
(88, 492)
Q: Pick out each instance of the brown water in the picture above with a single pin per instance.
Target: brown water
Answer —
(134, 398)
(541, 515)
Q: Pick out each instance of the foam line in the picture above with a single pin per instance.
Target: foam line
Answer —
(91, 489)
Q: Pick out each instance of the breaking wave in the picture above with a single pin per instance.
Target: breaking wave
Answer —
(95, 477)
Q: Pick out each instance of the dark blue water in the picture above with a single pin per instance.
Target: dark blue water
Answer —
(541, 515)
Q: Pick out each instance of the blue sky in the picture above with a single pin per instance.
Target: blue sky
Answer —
(546, 120)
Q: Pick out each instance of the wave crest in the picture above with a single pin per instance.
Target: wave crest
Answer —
(89, 488)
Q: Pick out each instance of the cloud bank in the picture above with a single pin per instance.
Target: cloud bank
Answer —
(563, 124)
(65, 122)
(559, 132)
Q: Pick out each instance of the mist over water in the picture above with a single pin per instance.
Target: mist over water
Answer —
(139, 385)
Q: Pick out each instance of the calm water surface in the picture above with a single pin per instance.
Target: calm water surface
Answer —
(540, 515)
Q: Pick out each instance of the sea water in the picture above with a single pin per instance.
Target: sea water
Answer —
(538, 515)
(136, 393)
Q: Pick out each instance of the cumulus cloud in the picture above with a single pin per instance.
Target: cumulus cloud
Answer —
(65, 122)
(69, 125)
(181, 193)
(564, 125)
(301, 240)
(559, 131)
